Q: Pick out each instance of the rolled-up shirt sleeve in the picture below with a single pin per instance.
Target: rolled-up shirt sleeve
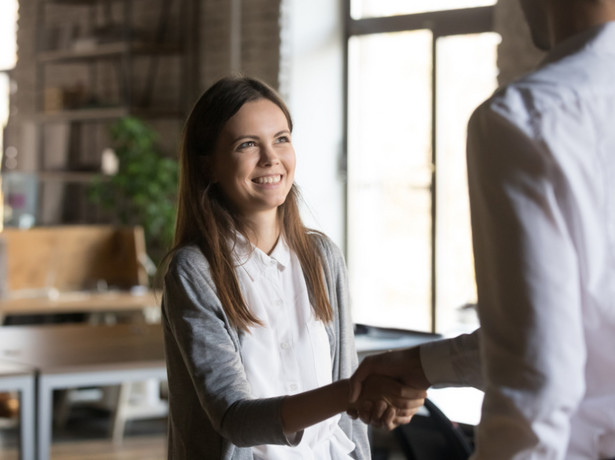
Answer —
(453, 362)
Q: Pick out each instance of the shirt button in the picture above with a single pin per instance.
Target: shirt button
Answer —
(293, 387)
(285, 345)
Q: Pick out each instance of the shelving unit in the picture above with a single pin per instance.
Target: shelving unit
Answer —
(97, 61)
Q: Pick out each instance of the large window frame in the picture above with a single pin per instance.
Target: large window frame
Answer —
(441, 24)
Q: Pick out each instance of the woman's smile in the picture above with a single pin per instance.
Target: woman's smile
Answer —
(268, 180)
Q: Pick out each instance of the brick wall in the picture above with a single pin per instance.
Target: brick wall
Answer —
(258, 25)
(261, 39)
(258, 52)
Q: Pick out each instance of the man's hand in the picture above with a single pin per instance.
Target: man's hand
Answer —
(385, 402)
(403, 366)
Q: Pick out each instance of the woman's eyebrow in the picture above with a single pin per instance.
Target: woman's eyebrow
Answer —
(244, 136)
(253, 136)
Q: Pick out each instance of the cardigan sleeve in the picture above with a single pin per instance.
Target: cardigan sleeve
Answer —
(209, 349)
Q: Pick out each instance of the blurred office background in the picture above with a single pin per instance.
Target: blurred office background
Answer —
(380, 92)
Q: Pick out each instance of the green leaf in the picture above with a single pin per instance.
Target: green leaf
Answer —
(143, 192)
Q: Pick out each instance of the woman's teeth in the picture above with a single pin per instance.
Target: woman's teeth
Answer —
(268, 179)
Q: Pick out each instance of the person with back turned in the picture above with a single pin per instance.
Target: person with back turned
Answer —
(541, 170)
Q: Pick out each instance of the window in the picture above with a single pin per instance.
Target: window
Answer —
(413, 82)
(8, 58)
(378, 8)
(8, 54)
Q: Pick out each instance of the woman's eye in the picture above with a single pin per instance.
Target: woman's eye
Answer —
(247, 144)
(282, 139)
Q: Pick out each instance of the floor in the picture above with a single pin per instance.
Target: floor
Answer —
(86, 437)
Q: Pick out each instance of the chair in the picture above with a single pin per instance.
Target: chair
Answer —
(432, 437)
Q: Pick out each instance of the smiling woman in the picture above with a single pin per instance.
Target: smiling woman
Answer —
(258, 336)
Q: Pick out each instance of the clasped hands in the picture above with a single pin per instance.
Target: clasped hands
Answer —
(388, 389)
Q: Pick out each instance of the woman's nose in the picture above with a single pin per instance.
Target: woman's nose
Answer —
(268, 155)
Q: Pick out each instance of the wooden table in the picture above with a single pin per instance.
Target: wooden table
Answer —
(80, 302)
(69, 356)
(17, 377)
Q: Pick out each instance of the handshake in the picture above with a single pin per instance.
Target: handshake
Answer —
(388, 389)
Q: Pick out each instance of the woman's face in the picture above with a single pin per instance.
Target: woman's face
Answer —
(254, 161)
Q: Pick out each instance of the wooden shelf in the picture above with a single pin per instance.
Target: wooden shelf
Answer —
(105, 50)
(105, 113)
(73, 2)
(84, 114)
(69, 176)
(96, 64)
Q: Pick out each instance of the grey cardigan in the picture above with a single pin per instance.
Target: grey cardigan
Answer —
(211, 412)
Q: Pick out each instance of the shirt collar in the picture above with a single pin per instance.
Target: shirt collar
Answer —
(599, 36)
(255, 262)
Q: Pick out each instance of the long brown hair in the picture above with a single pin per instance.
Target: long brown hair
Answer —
(204, 217)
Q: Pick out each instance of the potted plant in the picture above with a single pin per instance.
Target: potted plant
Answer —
(143, 189)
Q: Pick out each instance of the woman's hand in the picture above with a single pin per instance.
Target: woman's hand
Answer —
(385, 402)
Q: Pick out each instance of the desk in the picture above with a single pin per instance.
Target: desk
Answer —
(69, 356)
(16, 377)
(79, 302)
(370, 340)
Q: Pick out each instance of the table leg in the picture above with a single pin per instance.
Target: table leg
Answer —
(44, 420)
(27, 420)
(24, 384)
(47, 383)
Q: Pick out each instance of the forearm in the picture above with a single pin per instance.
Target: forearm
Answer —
(306, 409)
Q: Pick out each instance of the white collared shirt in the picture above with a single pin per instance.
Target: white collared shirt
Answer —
(291, 353)
(541, 162)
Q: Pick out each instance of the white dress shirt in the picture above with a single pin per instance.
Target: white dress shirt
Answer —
(291, 353)
(541, 165)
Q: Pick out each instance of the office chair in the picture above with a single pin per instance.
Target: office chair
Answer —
(432, 437)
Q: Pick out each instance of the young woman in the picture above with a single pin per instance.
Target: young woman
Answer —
(259, 342)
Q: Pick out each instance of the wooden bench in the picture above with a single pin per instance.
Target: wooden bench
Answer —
(51, 270)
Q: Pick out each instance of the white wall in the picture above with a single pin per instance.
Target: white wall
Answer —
(311, 81)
